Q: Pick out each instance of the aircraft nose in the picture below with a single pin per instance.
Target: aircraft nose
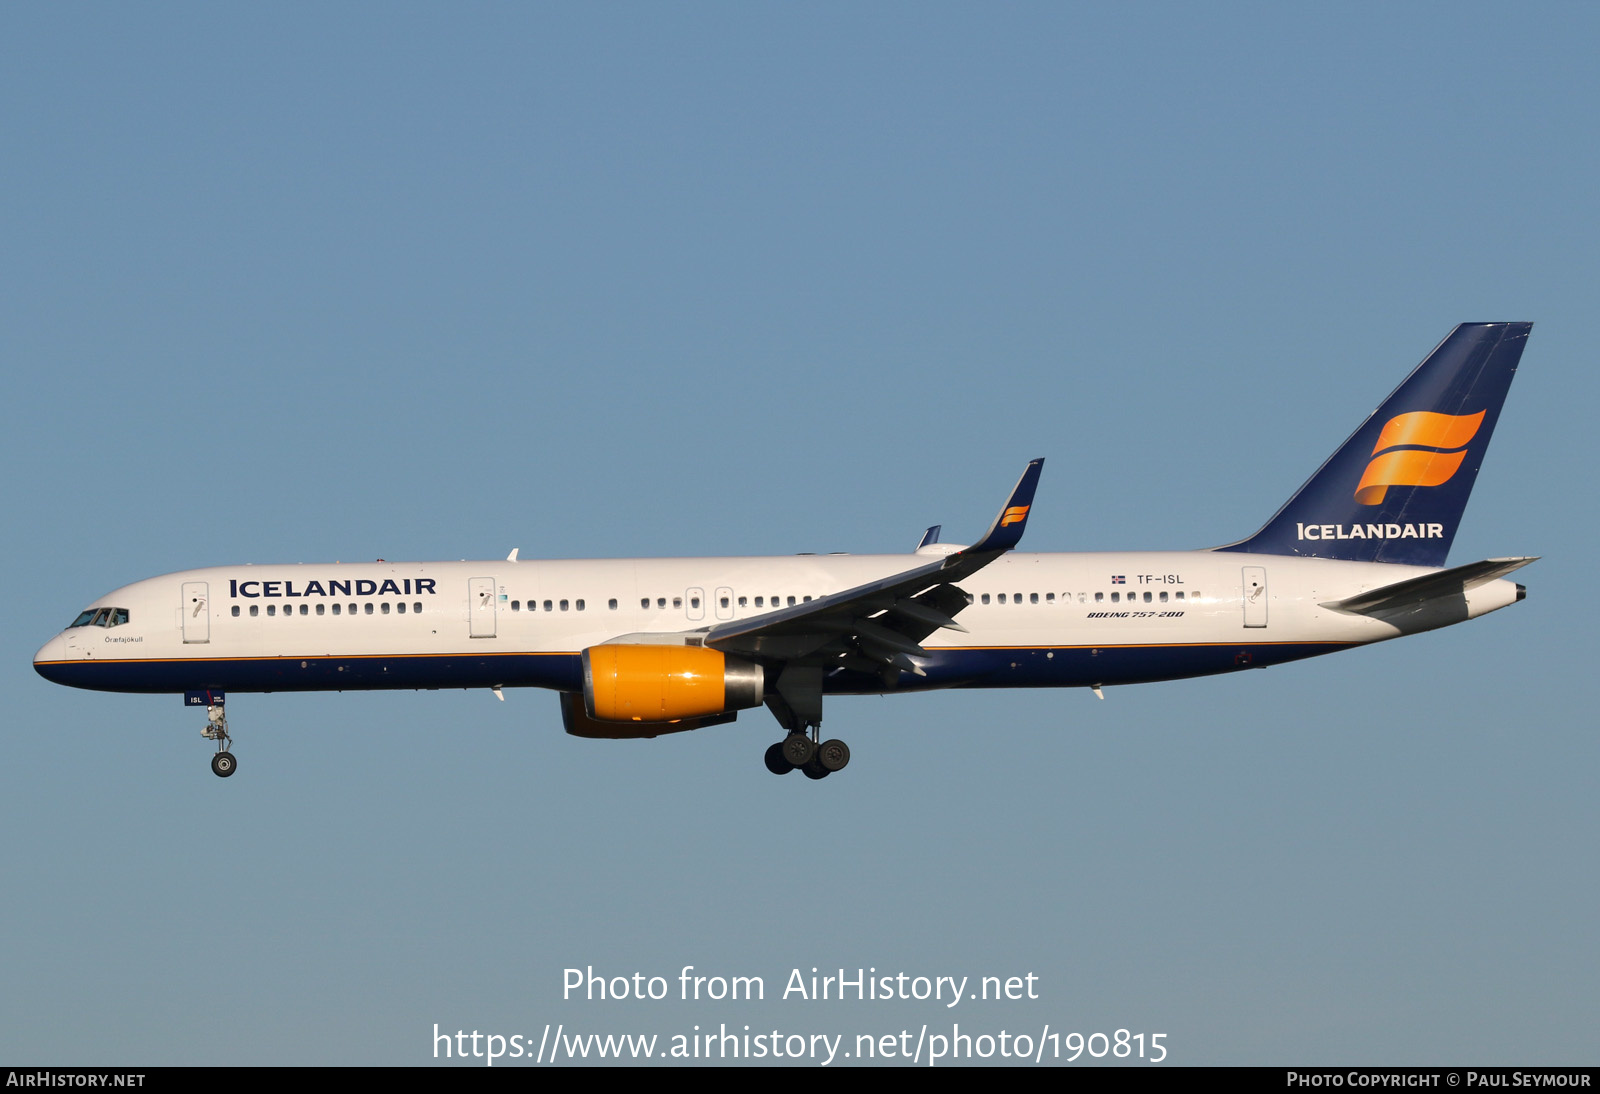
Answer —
(47, 662)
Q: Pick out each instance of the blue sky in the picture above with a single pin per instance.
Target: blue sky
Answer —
(306, 283)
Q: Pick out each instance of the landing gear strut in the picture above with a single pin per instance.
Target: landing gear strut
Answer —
(798, 708)
(222, 764)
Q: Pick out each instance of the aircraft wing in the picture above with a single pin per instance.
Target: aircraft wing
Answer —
(878, 627)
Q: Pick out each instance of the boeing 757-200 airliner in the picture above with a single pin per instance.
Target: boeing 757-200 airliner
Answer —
(642, 647)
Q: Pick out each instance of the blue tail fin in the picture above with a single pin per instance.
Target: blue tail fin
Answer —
(1396, 489)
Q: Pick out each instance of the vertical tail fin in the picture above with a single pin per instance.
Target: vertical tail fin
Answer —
(1395, 491)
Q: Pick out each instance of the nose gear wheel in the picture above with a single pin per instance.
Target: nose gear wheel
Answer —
(222, 764)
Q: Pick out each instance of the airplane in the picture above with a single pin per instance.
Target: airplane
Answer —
(643, 647)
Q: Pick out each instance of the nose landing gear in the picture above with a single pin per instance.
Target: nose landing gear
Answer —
(222, 764)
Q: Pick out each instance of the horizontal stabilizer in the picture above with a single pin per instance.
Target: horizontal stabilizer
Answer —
(1419, 590)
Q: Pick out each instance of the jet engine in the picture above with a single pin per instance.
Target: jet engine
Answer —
(650, 683)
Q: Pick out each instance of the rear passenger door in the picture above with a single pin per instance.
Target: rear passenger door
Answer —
(481, 607)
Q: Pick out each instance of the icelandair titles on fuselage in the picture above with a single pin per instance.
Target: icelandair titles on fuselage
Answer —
(1370, 531)
(356, 587)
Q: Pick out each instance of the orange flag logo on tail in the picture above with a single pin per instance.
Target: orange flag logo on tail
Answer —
(1014, 515)
(1394, 465)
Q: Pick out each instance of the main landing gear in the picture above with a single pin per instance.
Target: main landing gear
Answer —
(801, 751)
(798, 708)
(222, 764)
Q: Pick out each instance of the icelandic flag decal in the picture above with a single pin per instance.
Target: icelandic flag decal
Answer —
(1119, 579)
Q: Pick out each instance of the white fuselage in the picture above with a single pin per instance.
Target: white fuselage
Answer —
(1033, 620)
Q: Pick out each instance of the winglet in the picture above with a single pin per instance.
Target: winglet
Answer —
(1006, 531)
(930, 536)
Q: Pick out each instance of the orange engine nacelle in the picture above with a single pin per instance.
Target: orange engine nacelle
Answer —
(629, 683)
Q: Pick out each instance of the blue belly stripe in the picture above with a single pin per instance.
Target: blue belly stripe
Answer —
(1003, 667)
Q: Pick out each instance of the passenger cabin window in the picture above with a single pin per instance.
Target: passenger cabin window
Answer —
(644, 602)
(321, 609)
(236, 611)
(255, 610)
(612, 604)
(548, 607)
(385, 607)
(369, 607)
(1099, 598)
(335, 610)
(986, 598)
(563, 605)
(578, 604)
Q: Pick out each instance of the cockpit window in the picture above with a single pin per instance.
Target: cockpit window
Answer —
(101, 617)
